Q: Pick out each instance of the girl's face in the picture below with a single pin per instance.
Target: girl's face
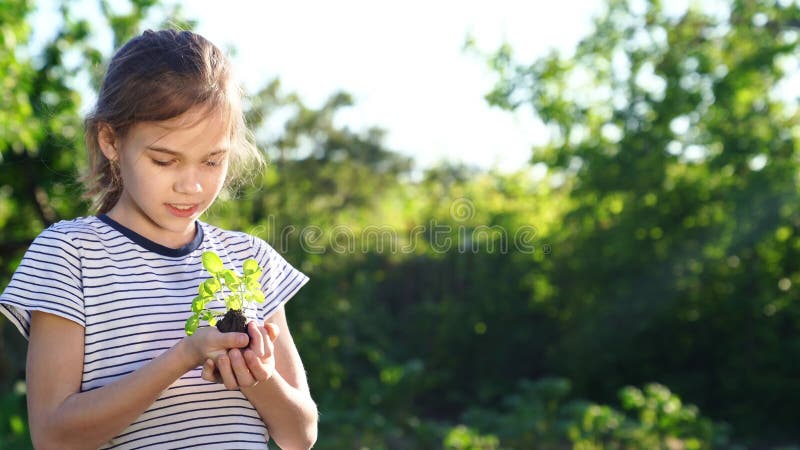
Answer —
(171, 171)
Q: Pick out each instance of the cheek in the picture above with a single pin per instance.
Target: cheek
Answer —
(214, 180)
(222, 175)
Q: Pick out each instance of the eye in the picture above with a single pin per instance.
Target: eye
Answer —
(158, 162)
(213, 162)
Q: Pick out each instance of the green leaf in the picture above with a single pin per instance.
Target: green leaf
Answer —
(202, 289)
(253, 286)
(198, 304)
(191, 324)
(212, 262)
(256, 296)
(253, 276)
(233, 301)
(250, 266)
(210, 286)
(230, 278)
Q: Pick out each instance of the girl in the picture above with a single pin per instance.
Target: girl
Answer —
(103, 299)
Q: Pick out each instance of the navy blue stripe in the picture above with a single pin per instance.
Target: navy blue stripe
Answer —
(138, 333)
(183, 297)
(193, 410)
(158, 279)
(261, 442)
(140, 255)
(217, 433)
(223, 238)
(85, 354)
(193, 268)
(122, 355)
(45, 305)
(150, 290)
(179, 309)
(77, 301)
(128, 247)
(36, 247)
(282, 282)
(113, 375)
(112, 366)
(135, 334)
(274, 305)
(28, 258)
(95, 232)
(36, 278)
(215, 391)
(278, 297)
(142, 318)
(51, 236)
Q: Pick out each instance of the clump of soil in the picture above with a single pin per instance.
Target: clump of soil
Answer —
(234, 321)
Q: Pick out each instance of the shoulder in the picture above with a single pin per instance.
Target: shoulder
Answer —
(223, 237)
(234, 239)
(75, 231)
(68, 236)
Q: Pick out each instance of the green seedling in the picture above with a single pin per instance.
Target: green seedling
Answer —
(235, 289)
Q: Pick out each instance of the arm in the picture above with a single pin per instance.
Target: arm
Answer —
(279, 393)
(63, 417)
(284, 400)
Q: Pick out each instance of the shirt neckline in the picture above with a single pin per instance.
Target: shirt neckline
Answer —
(154, 246)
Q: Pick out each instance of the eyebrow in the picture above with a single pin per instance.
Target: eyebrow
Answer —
(174, 153)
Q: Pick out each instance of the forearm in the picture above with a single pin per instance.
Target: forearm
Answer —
(90, 419)
(289, 413)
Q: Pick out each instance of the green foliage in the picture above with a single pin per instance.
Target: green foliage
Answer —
(541, 415)
(677, 258)
(13, 419)
(464, 438)
(242, 289)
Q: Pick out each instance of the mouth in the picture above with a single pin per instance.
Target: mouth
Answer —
(182, 209)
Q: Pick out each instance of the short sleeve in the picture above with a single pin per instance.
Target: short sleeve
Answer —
(279, 280)
(47, 279)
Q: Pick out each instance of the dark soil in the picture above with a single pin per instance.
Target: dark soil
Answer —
(234, 321)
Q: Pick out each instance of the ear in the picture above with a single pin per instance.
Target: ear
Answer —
(108, 141)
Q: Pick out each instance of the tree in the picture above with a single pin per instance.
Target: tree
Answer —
(678, 258)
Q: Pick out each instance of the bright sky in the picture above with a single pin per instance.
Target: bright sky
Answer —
(403, 62)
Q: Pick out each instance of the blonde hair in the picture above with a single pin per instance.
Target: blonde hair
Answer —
(157, 76)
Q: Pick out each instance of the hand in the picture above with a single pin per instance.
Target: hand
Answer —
(210, 343)
(242, 369)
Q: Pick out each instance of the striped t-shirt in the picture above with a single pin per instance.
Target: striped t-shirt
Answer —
(133, 296)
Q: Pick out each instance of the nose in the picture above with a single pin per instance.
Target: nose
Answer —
(188, 182)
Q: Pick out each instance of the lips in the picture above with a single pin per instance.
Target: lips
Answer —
(182, 209)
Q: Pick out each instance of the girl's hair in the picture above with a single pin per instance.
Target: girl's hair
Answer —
(157, 76)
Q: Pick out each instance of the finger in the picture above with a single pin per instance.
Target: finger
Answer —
(240, 370)
(256, 339)
(225, 371)
(269, 350)
(273, 330)
(208, 371)
(235, 340)
(256, 366)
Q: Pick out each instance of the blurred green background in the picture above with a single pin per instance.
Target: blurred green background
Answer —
(642, 295)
